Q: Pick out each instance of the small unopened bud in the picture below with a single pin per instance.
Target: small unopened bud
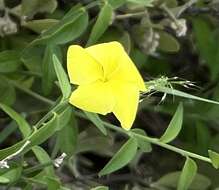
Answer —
(58, 161)
(180, 27)
(7, 25)
(4, 164)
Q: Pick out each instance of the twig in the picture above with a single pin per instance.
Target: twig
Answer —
(153, 141)
(185, 6)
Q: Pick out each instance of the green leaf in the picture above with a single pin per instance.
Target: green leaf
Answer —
(145, 146)
(168, 43)
(4, 180)
(48, 71)
(184, 94)
(170, 181)
(95, 119)
(41, 25)
(62, 78)
(30, 8)
(214, 156)
(69, 28)
(100, 188)
(188, 174)
(43, 158)
(125, 154)
(174, 127)
(22, 123)
(9, 61)
(103, 21)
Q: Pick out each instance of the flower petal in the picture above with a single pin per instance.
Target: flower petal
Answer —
(128, 72)
(95, 97)
(127, 98)
(116, 63)
(82, 68)
(107, 54)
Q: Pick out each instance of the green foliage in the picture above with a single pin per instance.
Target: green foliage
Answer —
(188, 174)
(174, 126)
(121, 158)
(35, 36)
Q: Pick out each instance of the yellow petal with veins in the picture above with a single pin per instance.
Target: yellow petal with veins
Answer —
(82, 68)
(95, 97)
(127, 98)
(107, 54)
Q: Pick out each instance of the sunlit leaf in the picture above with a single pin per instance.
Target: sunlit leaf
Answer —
(175, 125)
(214, 156)
(188, 174)
(125, 154)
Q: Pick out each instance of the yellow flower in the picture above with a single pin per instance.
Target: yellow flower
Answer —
(107, 80)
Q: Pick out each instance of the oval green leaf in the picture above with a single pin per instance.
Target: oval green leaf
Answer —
(187, 175)
(174, 126)
(168, 43)
(125, 154)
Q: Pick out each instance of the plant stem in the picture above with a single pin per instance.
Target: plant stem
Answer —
(152, 140)
(37, 167)
(129, 15)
